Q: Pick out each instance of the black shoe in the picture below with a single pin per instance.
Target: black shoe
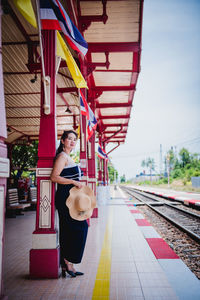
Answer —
(78, 273)
(71, 273)
(63, 273)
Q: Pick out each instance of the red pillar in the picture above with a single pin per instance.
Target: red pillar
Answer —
(100, 178)
(100, 172)
(44, 256)
(107, 174)
(104, 167)
(83, 146)
(91, 164)
(4, 164)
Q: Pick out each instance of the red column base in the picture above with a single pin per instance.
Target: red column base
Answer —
(3, 297)
(95, 213)
(44, 263)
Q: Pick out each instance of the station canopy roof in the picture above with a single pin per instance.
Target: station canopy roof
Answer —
(113, 31)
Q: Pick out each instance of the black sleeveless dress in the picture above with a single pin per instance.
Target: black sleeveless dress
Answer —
(72, 233)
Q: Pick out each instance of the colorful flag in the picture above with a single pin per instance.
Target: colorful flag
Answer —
(54, 17)
(101, 153)
(84, 106)
(26, 9)
(92, 123)
(63, 51)
(86, 111)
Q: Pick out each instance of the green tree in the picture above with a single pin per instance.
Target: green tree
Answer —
(112, 172)
(171, 157)
(150, 164)
(123, 178)
(25, 156)
(184, 157)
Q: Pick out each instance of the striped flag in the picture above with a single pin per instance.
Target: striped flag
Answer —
(84, 106)
(54, 17)
(86, 111)
(101, 153)
(92, 123)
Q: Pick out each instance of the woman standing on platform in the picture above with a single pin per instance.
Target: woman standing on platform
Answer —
(72, 232)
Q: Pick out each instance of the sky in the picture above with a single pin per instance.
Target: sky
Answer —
(166, 104)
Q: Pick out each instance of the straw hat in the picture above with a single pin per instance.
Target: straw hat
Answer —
(81, 203)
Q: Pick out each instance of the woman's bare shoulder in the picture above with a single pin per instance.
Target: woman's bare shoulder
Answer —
(63, 157)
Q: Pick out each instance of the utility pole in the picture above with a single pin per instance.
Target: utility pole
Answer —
(168, 159)
(161, 169)
(115, 183)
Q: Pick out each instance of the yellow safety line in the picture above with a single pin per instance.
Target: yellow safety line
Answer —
(102, 283)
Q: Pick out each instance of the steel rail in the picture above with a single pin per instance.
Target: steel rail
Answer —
(193, 235)
(160, 199)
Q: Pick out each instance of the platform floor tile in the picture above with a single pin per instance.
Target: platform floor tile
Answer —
(118, 262)
(138, 216)
(149, 232)
(184, 282)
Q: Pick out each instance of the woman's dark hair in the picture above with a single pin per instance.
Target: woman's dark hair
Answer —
(63, 137)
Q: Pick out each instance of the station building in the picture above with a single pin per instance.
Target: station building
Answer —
(38, 106)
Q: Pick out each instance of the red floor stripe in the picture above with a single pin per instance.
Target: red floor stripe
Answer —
(192, 201)
(142, 222)
(161, 249)
(135, 211)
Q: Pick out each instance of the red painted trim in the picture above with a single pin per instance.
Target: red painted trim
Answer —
(114, 47)
(115, 124)
(112, 136)
(113, 88)
(112, 105)
(111, 70)
(66, 90)
(113, 131)
(135, 211)
(114, 117)
(44, 263)
(142, 222)
(114, 148)
(161, 249)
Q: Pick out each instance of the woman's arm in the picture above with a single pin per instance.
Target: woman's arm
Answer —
(59, 164)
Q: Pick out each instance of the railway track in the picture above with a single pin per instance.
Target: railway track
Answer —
(184, 241)
(185, 220)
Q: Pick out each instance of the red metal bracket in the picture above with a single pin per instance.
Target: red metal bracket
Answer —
(91, 66)
(85, 21)
(92, 95)
(114, 148)
(113, 135)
